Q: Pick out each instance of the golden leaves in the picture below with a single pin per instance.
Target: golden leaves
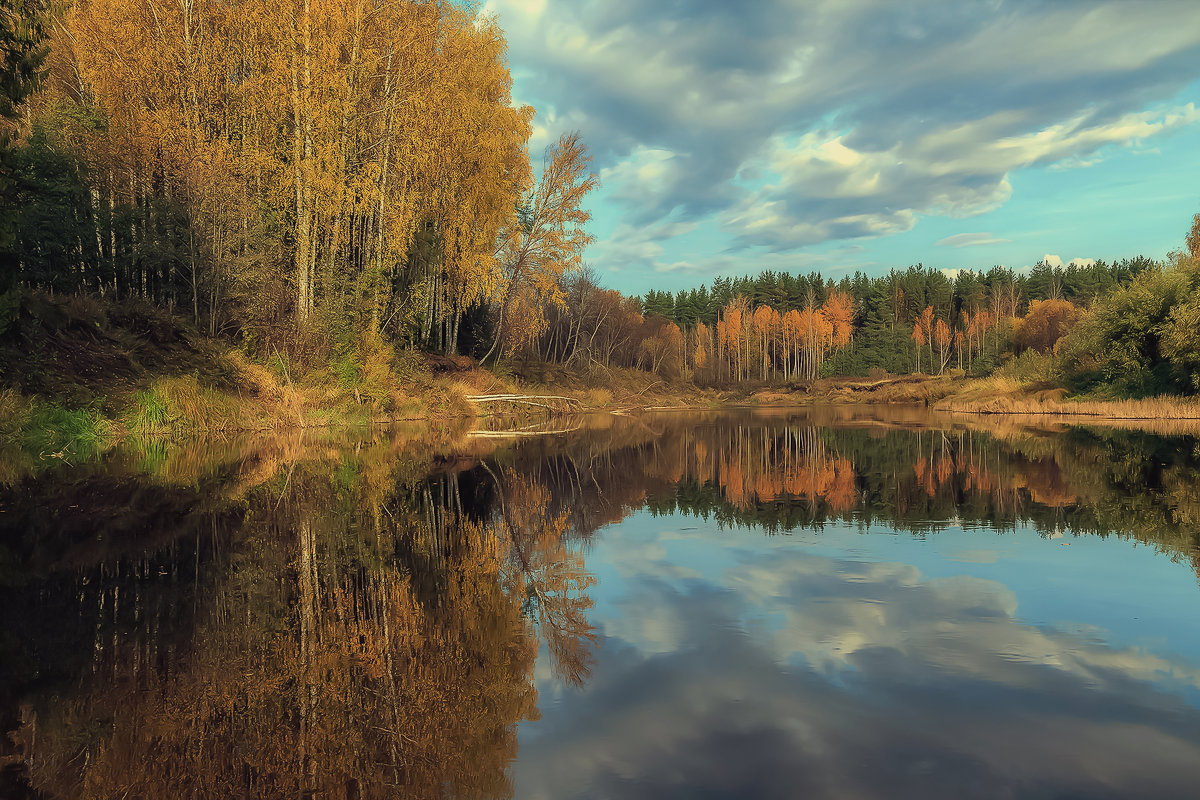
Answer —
(546, 241)
(337, 124)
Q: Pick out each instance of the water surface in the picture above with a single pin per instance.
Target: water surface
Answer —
(760, 603)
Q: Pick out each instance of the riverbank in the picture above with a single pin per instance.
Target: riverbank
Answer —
(78, 376)
(994, 395)
(1005, 396)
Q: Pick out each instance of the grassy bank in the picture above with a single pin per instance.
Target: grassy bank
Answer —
(1001, 395)
(78, 375)
(996, 395)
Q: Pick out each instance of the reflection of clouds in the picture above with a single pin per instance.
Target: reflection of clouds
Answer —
(655, 628)
(917, 688)
(631, 556)
(657, 618)
(835, 612)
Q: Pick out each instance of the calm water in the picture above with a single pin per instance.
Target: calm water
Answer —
(744, 604)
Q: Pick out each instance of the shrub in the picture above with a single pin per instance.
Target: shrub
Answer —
(1046, 323)
(1140, 339)
(1031, 367)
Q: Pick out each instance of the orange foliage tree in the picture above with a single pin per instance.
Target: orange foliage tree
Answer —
(815, 334)
(1046, 322)
(943, 338)
(922, 333)
(839, 311)
(308, 145)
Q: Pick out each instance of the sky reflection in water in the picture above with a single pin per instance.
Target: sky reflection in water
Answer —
(734, 664)
(855, 660)
(751, 604)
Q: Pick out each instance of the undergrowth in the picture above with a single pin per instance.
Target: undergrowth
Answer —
(1032, 367)
(46, 431)
(182, 404)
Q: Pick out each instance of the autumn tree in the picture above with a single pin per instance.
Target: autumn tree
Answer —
(1192, 240)
(340, 167)
(922, 332)
(663, 347)
(815, 335)
(765, 323)
(546, 242)
(839, 312)
(702, 347)
(791, 336)
(943, 338)
(1046, 322)
(732, 336)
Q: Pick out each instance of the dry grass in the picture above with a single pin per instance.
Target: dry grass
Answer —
(482, 381)
(891, 390)
(178, 404)
(14, 409)
(998, 395)
(1043, 405)
(1052, 403)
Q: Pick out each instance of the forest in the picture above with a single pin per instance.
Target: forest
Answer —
(1122, 328)
(301, 177)
(335, 182)
(913, 320)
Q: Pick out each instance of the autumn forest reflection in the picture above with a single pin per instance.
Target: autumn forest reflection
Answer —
(363, 619)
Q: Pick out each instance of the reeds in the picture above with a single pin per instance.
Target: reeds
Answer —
(994, 399)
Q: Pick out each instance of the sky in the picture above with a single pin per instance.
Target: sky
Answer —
(842, 135)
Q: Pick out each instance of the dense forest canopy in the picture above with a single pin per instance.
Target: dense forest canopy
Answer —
(333, 168)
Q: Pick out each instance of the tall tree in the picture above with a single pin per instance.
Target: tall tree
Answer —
(547, 241)
(22, 53)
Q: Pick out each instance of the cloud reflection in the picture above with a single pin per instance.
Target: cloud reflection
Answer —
(789, 674)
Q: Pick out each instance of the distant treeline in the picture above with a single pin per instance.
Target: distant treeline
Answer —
(902, 295)
(889, 309)
(1128, 327)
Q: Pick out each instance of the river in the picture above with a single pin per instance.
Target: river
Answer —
(752, 603)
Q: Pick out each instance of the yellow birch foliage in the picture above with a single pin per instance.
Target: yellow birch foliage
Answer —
(547, 241)
(335, 125)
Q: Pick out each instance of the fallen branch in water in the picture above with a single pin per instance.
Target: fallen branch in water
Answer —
(509, 434)
(485, 398)
(527, 400)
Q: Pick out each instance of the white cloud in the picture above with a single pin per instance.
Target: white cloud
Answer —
(970, 240)
(862, 116)
(826, 189)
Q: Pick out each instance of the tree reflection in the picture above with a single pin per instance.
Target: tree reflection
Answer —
(911, 470)
(304, 620)
(340, 640)
(551, 576)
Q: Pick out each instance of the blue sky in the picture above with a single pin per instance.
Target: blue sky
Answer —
(836, 135)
